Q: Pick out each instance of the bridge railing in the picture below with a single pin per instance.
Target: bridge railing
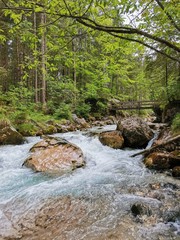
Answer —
(130, 105)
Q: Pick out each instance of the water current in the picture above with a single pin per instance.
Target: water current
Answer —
(106, 189)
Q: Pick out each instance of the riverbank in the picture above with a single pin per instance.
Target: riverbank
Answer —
(113, 197)
(136, 133)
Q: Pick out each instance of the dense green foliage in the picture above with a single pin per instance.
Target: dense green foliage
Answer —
(56, 55)
(176, 124)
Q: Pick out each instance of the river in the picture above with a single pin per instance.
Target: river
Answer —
(92, 203)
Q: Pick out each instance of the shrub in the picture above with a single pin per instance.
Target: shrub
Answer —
(63, 111)
(27, 129)
(176, 123)
(20, 117)
(102, 107)
(83, 110)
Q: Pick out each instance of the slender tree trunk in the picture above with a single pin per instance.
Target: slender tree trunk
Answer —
(43, 60)
(117, 86)
(36, 67)
(4, 66)
(166, 78)
(74, 70)
(112, 83)
(18, 56)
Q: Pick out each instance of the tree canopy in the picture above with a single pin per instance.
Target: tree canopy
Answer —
(62, 54)
(154, 24)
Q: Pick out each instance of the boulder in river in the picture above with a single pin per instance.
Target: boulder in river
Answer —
(157, 160)
(135, 131)
(8, 134)
(55, 155)
(112, 139)
(161, 160)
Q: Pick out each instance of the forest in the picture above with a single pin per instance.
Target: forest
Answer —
(73, 165)
(58, 56)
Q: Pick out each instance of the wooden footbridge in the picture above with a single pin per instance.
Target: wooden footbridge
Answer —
(136, 105)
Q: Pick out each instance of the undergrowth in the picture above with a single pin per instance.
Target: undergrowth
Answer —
(176, 124)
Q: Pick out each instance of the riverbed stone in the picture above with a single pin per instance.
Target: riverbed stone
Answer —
(171, 215)
(55, 155)
(176, 172)
(112, 139)
(9, 135)
(135, 131)
(140, 209)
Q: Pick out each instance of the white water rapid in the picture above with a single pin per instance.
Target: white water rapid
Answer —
(107, 187)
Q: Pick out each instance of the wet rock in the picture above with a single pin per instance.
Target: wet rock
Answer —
(7, 230)
(169, 185)
(81, 122)
(157, 161)
(9, 135)
(156, 194)
(135, 131)
(62, 128)
(98, 123)
(176, 172)
(66, 218)
(161, 160)
(171, 215)
(112, 139)
(140, 209)
(155, 186)
(55, 155)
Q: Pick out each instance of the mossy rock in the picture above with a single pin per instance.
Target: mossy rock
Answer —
(27, 129)
(4, 123)
(9, 135)
(49, 129)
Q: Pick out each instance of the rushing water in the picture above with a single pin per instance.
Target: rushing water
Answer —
(111, 182)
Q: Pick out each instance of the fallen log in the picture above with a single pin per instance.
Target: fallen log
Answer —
(149, 150)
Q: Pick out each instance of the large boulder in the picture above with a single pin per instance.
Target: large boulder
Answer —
(55, 155)
(162, 160)
(8, 134)
(135, 131)
(158, 161)
(112, 139)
